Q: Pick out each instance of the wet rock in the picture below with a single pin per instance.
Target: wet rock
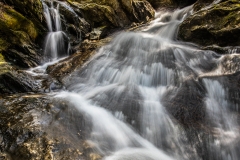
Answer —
(75, 25)
(32, 128)
(11, 84)
(230, 64)
(20, 129)
(13, 81)
(69, 65)
(200, 4)
(223, 50)
(186, 104)
(218, 24)
(114, 13)
(139, 11)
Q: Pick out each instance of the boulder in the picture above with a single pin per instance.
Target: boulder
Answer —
(218, 24)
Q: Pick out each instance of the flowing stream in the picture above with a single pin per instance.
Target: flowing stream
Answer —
(124, 88)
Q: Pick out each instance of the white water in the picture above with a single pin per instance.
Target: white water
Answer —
(122, 91)
(56, 46)
(217, 104)
(41, 70)
(109, 134)
(56, 42)
(226, 128)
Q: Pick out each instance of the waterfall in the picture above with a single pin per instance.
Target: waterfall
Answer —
(56, 42)
(124, 89)
(224, 121)
(110, 134)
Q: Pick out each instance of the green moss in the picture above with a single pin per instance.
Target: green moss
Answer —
(3, 45)
(4, 66)
(105, 14)
(218, 25)
(21, 37)
(15, 30)
(32, 9)
(227, 13)
(15, 21)
(231, 19)
(2, 60)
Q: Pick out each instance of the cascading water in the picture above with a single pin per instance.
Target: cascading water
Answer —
(225, 123)
(56, 43)
(122, 91)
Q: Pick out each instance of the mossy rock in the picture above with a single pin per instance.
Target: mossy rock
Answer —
(138, 11)
(219, 25)
(114, 13)
(105, 14)
(17, 36)
(201, 4)
(2, 60)
(16, 21)
(32, 9)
